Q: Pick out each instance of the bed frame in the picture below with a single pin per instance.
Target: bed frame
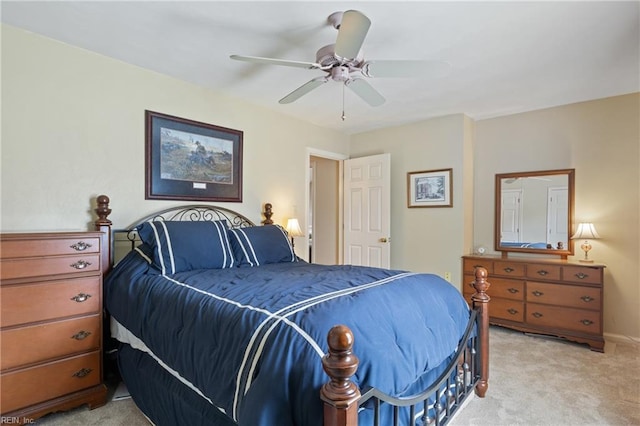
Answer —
(468, 371)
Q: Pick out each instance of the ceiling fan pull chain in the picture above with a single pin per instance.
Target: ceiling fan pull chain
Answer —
(343, 116)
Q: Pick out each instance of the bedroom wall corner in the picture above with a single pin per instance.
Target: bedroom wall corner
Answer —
(426, 239)
(600, 139)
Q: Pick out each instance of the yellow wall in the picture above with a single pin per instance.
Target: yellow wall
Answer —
(73, 128)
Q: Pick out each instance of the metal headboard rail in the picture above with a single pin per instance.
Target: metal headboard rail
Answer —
(196, 213)
(191, 213)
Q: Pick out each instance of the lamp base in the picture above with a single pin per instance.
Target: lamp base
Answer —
(586, 261)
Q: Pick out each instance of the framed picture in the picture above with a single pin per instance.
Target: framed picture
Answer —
(188, 160)
(430, 188)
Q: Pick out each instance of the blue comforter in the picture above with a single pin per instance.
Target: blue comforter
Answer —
(249, 341)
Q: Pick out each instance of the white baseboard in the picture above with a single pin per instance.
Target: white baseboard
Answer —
(620, 338)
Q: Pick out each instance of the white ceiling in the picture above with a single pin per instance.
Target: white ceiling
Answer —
(506, 57)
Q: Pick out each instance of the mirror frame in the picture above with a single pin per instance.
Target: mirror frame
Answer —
(569, 251)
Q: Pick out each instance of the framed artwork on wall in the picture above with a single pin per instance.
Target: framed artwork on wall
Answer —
(430, 188)
(189, 160)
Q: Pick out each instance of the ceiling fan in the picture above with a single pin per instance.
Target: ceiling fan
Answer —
(344, 62)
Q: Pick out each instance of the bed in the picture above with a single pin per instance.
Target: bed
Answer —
(218, 322)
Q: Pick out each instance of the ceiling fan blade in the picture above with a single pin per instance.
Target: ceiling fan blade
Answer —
(282, 62)
(363, 89)
(303, 90)
(353, 29)
(406, 68)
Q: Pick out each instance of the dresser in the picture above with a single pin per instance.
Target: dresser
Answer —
(50, 323)
(545, 296)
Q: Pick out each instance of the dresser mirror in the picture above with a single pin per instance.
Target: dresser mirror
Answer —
(534, 212)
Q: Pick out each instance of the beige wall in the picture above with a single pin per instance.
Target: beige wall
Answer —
(426, 239)
(601, 141)
(73, 128)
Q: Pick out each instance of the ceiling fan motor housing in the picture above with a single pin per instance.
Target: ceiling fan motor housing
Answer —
(326, 57)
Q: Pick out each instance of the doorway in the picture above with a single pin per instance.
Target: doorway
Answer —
(325, 206)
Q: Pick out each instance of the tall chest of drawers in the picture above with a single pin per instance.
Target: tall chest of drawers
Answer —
(546, 296)
(50, 323)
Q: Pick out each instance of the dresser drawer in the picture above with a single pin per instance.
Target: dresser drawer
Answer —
(543, 272)
(582, 320)
(469, 265)
(506, 268)
(564, 295)
(36, 343)
(47, 381)
(506, 309)
(46, 247)
(48, 300)
(54, 265)
(582, 274)
(506, 289)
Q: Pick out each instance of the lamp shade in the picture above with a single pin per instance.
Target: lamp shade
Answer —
(586, 231)
(293, 228)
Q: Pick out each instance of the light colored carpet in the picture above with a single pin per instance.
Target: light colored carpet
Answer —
(533, 381)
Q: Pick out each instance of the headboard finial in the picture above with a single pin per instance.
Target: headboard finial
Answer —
(267, 214)
(103, 210)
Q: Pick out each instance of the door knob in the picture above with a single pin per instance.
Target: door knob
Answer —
(384, 240)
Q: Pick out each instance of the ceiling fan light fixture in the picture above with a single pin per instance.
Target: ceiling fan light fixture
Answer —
(341, 73)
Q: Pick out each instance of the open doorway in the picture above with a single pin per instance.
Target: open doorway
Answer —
(325, 208)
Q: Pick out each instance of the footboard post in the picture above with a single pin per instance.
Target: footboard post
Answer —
(481, 304)
(340, 395)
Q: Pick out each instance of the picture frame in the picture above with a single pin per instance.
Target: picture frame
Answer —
(190, 160)
(430, 188)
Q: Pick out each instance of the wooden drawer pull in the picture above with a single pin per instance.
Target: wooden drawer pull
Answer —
(82, 373)
(80, 264)
(537, 293)
(81, 335)
(542, 272)
(587, 298)
(80, 297)
(586, 322)
(537, 314)
(508, 270)
(80, 246)
(581, 275)
(512, 311)
(513, 290)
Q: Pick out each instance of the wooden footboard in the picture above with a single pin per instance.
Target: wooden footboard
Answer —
(342, 398)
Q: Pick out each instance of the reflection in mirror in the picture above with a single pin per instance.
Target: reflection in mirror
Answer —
(534, 211)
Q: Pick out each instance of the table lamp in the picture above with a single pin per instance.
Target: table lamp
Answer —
(587, 232)
(293, 229)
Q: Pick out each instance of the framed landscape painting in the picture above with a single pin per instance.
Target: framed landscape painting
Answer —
(429, 188)
(189, 160)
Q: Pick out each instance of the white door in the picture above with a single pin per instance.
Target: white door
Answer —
(367, 211)
(558, 212)
(511, 215)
